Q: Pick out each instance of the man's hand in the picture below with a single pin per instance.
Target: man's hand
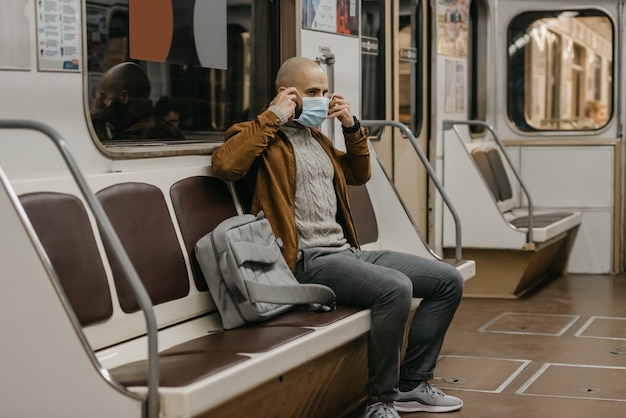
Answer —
(285, 100)
(98, 104)
(339, 108)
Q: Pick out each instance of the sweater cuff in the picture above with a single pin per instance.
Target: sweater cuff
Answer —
(282, 118)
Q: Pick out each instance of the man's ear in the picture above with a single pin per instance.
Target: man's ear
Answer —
(124, 96)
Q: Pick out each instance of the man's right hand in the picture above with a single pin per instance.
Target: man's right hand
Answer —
(98, 104)
(286, 100)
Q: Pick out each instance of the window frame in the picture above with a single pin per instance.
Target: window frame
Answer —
(262, 17)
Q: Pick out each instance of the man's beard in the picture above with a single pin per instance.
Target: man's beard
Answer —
(116, 114)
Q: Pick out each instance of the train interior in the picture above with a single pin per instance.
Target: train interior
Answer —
(496, 135)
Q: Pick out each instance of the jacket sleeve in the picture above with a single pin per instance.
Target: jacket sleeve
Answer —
(355, 162)
(243, 143)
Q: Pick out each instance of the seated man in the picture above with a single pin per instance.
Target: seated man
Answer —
(298, 178)
(123, 109)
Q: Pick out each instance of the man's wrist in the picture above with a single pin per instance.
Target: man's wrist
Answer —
(282, 118)
(352, 129)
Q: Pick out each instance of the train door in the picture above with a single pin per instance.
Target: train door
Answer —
(549, 84)
(410, 106)
(394, 86)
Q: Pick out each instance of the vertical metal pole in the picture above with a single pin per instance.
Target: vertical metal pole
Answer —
(328, 58)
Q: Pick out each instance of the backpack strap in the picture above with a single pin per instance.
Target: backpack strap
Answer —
(296, 294)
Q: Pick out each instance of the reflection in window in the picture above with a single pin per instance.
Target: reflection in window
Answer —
(207, 101)
(560, 71)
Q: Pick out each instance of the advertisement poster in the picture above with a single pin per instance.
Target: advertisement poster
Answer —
(185, 32)
(334, 16)
(455, 95)
(452, 16)
(58, 35)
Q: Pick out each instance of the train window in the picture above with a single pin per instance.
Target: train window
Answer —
(198, 104)
(560, 70)
(477, 59)
(376, 93)
(410, 40)
(373, 94)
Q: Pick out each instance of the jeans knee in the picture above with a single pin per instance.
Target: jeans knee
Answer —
(393, 304)
(456, 283)
(403, 293)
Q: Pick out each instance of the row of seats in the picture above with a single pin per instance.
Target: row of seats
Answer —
(493, 171)
(201, 365)
(517, 245)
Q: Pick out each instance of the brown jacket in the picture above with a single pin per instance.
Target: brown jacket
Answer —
(261, 155)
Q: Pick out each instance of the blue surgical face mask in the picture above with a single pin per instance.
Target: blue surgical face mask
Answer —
(314, 111)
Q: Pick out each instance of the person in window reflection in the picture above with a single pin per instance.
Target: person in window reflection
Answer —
(298, 178)
(167, 109)
(597, 112)
(123, 110)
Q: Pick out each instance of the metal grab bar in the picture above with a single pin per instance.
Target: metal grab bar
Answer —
(449, 124)
(118, 252)
(431, 174)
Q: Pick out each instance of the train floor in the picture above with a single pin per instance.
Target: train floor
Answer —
(559, 352)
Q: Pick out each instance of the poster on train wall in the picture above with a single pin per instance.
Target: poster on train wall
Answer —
(58, 35)
(452, 27)
(454, 101)
(334, 16)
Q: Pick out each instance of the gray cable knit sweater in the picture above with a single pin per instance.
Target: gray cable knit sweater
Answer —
(315, 200)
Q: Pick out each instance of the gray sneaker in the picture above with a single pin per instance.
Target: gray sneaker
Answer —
(426, 398)
(381, 410)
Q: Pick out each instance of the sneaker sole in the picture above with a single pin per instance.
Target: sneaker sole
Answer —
(413, 406)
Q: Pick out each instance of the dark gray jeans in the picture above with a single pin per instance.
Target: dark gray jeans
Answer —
(385, 281)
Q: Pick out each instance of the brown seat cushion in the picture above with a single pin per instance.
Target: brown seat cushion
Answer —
(363, 214)
(177, 369)
(540, 221)
(200, 204)
(193, 360)
(140, 217)
(63, 227)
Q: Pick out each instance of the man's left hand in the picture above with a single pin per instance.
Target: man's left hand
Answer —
(339, 108)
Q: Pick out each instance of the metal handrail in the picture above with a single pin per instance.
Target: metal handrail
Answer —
(449, 124)
(118, 253)
(431, 174)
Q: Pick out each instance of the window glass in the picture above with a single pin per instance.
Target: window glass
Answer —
(560, 70)
(374, 93)
(476, 64)
(197, 103)
(373, 100)
(409, 67)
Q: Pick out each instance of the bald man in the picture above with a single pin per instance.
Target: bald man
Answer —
(298, 178)
(123, 109)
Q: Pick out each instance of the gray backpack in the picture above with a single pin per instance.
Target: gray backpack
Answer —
(248, 276)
